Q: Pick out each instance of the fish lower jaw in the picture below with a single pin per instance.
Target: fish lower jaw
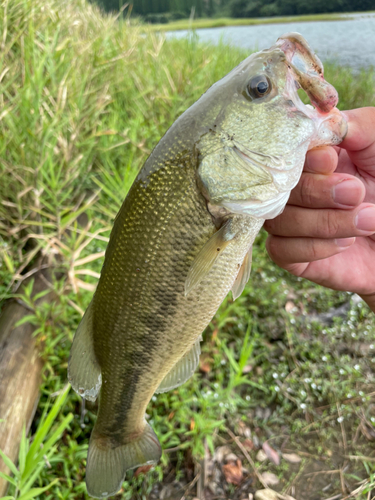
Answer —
(329, 123)
(331, 129)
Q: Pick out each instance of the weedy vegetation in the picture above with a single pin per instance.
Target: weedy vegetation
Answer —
(289, 366)
(33, 456)
(219, 22)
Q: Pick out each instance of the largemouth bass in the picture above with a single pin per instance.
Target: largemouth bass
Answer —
(182, 240)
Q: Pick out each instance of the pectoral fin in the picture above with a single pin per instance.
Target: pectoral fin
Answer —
(207, 257)
(243, 275)
(183, 369)
(83, 369)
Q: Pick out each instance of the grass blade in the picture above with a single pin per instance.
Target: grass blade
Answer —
(43, 430)
(8, 462)
(34, 492)
(23, 451)
(51, 441)
(8, 478)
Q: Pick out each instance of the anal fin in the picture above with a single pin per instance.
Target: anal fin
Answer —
(243, 275)
(83, 369)
(182, 370)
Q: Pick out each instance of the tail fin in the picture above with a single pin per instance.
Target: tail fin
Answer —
(107, 464)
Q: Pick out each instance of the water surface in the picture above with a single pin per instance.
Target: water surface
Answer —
(350, 42)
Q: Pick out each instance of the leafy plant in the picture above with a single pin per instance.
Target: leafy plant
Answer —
(237, 376)
(35, 453)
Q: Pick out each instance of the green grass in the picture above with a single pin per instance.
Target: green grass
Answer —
(83, 100)
(187, 24)
(34, 456)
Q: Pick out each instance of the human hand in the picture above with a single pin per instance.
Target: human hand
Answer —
(326, 232)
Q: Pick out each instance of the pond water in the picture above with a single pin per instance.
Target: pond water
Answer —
(349, 42)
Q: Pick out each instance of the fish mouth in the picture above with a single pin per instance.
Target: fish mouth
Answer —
(306, 72)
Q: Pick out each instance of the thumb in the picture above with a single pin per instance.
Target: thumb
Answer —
(360, 139)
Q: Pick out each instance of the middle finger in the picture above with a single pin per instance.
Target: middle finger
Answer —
(328, 191)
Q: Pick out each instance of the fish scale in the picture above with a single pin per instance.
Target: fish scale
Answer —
(156, 295)
(182, 240)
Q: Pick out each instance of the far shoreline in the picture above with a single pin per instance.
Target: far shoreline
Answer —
(187, 24)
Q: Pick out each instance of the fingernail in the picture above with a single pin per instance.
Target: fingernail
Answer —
(344, 243)
(365, 220)
(348, 193)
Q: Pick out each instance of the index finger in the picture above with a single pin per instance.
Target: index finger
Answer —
(360, 139)
(321, 160)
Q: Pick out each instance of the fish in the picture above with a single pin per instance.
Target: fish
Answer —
(183, 239)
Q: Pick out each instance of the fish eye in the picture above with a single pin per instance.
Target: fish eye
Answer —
(259, 86)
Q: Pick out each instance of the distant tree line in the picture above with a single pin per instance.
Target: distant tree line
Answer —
(165, 10)
(266, 8)
(160, 11)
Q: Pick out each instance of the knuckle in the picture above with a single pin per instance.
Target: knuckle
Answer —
(329, 224)
(270, 246)
(308, 190)
(372, 111)
(314, 250)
